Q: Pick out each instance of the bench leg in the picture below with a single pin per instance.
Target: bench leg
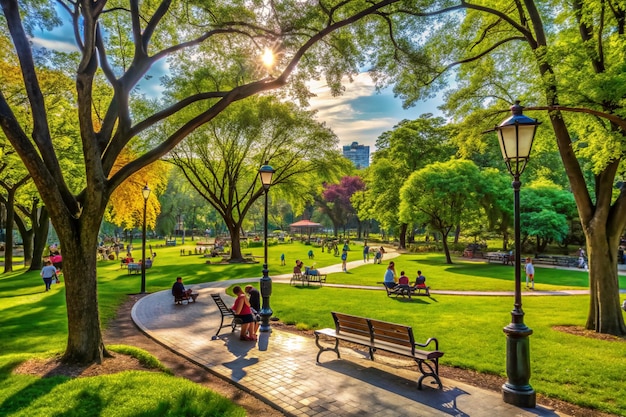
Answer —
(324, 349)
(428, 370)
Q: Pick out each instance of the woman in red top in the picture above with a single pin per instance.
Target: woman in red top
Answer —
(242, 310)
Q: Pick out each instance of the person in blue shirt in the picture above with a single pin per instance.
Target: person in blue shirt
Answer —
(311, 256)
(366, 253)
(282, 259)
(344, 259)
(390, 276)
(48, 272)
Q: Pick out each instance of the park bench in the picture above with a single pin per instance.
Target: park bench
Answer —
(380, 335)
(191, 298)
(226, 313)
(407, 291)
(546, 260)
(135, 267)
(500, 257)
(308, 278)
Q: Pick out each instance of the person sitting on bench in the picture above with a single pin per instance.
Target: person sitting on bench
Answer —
(298, 268)
(178, 290)
(420, 282)
(390, 276)
(403, 283)
(242, 310)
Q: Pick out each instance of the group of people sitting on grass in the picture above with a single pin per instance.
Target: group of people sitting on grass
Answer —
(403, 282)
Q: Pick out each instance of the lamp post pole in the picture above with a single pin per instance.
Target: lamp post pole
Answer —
(516, 136)
(266, 172)
(145, 193)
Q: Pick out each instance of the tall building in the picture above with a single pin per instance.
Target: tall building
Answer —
(358, 154)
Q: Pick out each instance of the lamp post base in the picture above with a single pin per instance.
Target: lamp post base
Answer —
(517, 390)
(266, 291)
(265, 320)
(525, 398)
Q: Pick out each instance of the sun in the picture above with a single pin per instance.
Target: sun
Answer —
(268, 58)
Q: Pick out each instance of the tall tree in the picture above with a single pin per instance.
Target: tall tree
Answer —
(125, 207)
(568, 63)
(411, 145)
(547, 211)
(222, 160)
(335, 200)
(441, 195)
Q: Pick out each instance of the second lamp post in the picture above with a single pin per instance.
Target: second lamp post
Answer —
(145, 193)
(265, 172)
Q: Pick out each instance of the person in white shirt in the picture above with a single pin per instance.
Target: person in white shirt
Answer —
(530, 273)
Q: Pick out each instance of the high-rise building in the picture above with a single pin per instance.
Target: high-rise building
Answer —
(358, 154)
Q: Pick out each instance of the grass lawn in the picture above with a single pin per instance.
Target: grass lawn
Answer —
(463, 275)
(584, 371)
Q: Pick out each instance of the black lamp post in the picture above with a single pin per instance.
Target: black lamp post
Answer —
(266, 172)
(145, 193)
(516, 136)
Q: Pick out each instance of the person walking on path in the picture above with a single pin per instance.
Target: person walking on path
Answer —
(366, 253)
(48, 272)
(530, 273)
(344, 260)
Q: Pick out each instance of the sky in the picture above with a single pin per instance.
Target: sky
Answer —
(360, 114)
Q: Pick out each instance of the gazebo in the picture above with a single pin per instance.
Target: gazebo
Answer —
(303, 226)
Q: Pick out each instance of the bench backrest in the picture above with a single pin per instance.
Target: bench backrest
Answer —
(393, 333)
(224, 310)
(346, 324)
(375, 330)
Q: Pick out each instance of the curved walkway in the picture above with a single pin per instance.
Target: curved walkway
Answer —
(281, 369)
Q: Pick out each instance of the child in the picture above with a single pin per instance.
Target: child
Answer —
(282, 259)
(344, 258)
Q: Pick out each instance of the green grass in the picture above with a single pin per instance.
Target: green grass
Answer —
(34, 324)
(463, 275)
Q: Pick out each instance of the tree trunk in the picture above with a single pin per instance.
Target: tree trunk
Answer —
(235, 242)
(403, 228)
(446, 249)
(27, 240)
(79, 242)
(84, 341)
(605, 315)
(8, 247)
(40, 239)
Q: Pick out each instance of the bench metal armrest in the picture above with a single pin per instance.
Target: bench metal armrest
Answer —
(432, 339)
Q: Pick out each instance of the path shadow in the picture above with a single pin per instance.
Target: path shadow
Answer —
(239, 349)
(444, 400)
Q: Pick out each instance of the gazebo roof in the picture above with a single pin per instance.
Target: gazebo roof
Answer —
(305, 223)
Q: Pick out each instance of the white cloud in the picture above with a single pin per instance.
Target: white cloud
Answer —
(56, 45)
(361, 114)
